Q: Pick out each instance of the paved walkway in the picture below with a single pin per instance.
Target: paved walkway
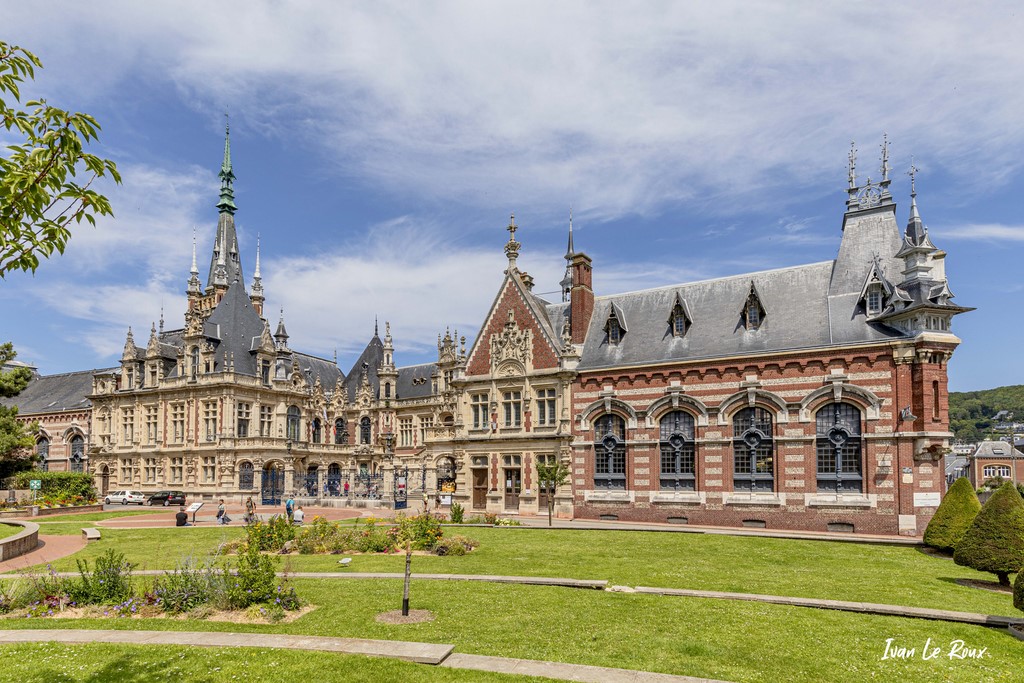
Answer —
(423, 653)
(50, 548)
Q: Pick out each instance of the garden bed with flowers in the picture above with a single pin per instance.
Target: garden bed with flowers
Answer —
(322, 537)
(247, 590)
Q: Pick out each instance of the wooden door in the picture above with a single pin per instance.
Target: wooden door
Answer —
(513, 486)
(480, 489)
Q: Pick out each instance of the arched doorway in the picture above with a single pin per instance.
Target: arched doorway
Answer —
(446, 479)
(104, 480)
(272, 483)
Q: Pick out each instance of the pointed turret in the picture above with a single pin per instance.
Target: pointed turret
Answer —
(387, 373)
(257, 283)
(281, 336)
(194, 286)
(131, 352)
(225, 246)
(227, 176)
(916, 234)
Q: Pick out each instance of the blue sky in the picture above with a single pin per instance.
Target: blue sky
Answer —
(379, 149)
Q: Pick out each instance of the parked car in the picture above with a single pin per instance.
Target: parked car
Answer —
(124, 497)
(166, 498)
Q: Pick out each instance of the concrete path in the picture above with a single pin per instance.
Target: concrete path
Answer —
(863, 607)
(422, 653)
(50, 548)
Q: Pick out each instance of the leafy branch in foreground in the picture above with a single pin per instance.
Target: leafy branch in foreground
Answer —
(41, 194)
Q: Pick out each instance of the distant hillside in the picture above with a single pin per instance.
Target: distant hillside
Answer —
(971, 412)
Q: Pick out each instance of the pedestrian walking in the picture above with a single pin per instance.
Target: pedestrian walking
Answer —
(222, 516)
(289, 507)
(250, 510)
(346, 488)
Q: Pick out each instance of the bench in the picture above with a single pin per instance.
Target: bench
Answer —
(91, 533)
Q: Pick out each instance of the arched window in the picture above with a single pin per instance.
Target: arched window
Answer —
(364, 430)
(610, 452)
(332, 487)
(245, 471)
(77, 453)
(340, 431)
(839, 448)
(317, 431)
(753, 451)
(43, 451)
(293, 423)
(678, 471)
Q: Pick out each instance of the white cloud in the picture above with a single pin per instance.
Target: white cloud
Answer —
(984, 231)
(619, 110)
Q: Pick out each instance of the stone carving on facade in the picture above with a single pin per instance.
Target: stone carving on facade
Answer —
(511, 343)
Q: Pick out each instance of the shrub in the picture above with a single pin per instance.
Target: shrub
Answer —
(953, 518)
(45, 594)
(254, 579)
(457, 512)
(59, 484)
(455, 545)
(108, 583)
(188, 586)
(995, 541)
(423, 530)
(490, 518)
(270, 535)
(1018, 591)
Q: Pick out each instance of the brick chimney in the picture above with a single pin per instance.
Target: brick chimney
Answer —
(581, 297)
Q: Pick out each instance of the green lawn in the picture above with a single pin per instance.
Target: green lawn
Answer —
(9, 529)
(734, 641)
(52, 663)
(897, 575)
(96, 516)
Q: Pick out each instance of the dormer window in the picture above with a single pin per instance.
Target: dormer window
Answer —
(753, 312)
(614, 331)
(873, 300)
(678, 320)
(615, 328)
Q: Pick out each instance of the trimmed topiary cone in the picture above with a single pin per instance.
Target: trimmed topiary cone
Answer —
(995, 541)
(1018, 591)
(951, 521)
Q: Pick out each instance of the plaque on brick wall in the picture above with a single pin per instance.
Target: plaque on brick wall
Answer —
(927, 500)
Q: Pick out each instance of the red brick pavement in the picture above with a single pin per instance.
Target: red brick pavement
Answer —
(50, 548)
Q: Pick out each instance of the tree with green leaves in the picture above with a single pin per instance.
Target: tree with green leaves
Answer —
(549, 477)
(995, 541)
(41, 194)
(951, 521)
(1018, 591)
(15, 437)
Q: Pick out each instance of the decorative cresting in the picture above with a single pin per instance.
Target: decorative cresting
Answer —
(753, 451)
(511, 344)
(839, 448)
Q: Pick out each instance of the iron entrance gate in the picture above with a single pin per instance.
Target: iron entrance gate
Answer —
(401, 489)
(272, 485)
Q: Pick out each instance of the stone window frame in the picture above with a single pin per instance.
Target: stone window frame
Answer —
(512, 408)
(546, 407)
(610, 452)
(677, 448)
(481, 409)
(293, 424)
(243, 418)
(365, 431)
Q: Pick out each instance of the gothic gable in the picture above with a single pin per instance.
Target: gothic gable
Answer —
(512, 334)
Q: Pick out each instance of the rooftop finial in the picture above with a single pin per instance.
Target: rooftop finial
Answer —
(885, 158)
(374, 326)
(512, 246)
(256, 275)
(227, 176)
(852, 174)
(570, 250)
(195, 267)
(161, 318)
(913, 178)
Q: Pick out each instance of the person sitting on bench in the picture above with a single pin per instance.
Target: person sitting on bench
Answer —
(298, 516)
(181, 519)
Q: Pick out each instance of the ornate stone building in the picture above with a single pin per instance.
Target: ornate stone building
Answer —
(808, 397)
(222, 407)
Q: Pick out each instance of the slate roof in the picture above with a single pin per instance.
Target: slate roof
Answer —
(318, 368)
(372, 357)
(996, 450)
(55, 393)
(798, 313)
(407, 388)
(234, 323)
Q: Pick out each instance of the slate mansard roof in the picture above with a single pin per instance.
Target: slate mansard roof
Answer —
(55, 393)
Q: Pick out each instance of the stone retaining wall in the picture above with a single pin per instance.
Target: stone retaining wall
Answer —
(36, 511)
(23, 542)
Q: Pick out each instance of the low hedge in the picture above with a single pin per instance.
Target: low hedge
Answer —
(59, 484)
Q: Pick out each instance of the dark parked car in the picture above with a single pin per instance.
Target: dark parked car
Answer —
(166, 498)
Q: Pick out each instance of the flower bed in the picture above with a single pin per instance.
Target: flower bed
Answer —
(248, 586)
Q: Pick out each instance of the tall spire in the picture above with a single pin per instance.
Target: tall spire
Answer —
(566, 282)
(220, 273)
(852, 169)
(227, 176)
(193, 279)
(917, 233)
